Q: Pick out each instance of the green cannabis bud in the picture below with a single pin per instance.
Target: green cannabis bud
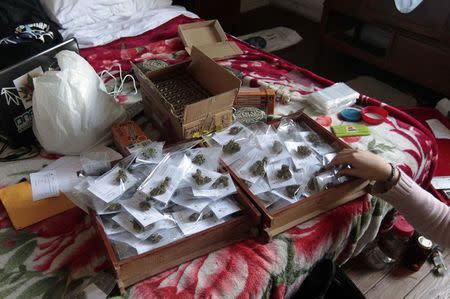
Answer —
(314, 139)
(113, 207)
(145, 206)
(258, 168)
(149, 153)
(121, 176)
(292, 190)
(155, 238)
(303, 151)
(234, 130)
(161, 188)
(221, 181)
(231, 147)
(284, 173)
(199, 159)
(200, 179)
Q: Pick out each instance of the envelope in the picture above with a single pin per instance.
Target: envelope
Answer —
(23, 211)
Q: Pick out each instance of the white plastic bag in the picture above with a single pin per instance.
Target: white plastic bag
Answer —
(72, 109)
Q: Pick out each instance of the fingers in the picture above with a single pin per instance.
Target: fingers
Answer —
(347, 172)
(343, 157)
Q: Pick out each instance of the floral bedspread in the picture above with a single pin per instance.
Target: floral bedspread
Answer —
(59, 255)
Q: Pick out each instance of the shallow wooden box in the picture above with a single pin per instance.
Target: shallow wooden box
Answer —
(281, 220)
(137, 268)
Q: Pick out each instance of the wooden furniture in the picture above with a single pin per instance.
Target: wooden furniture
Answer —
(274, 223)
(415, 46)
(136, 268)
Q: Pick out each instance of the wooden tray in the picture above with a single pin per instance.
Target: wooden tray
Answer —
(134, 269)
(281, 220)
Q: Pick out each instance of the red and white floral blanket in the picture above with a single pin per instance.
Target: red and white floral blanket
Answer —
(57, 255)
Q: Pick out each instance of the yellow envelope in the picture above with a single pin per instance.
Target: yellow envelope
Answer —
(23, 211)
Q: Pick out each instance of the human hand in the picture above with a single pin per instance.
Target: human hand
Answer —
(364, 165)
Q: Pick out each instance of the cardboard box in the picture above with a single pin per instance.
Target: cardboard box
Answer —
(180, 121)
(260, 97)
(209, 37)
(274, 223)
(126, 135)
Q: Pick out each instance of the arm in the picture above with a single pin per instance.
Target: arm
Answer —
(425, 212)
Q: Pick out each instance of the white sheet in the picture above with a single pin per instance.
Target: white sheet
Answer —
(103, 32)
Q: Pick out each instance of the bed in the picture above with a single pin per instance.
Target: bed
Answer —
(63, 252)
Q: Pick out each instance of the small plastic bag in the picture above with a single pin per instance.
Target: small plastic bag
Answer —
(207, 158)
(302, 155)
(268, 198)
(224, 207)
(107, 209)
(273, 147)
(191, 222)
(163, 182)
(280, 174)
(112, 184)
(111, 227)
(288, 129)
(261, 128)
(185, 198)
(235, 149)
(98, 160)
(236, 131)
(152, 153)
(260, 186)
(333, 99)
(158, 239)
(252, 166)
(143, 210)
(131, 225)
(317, 143)
(207, 183)
(124, 244)
(325, 180)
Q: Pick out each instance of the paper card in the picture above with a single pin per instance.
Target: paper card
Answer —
(243, 166)
(25, 87)
(67, 169)
(227, 134)
(108, 189)
(207, 158)
(272, 146)
(96, 167)
(439, 130)
(441, 182)
(168, 236)
(301, 162)
(209, 189)
(273, 174)
(126, 221)
(260, 186)
(189, 227)
(224, 207)
(124, 237)
(283, 193)
(278, 205)
(145, 218)
(174, 176)
(44, 185)
(186, 199)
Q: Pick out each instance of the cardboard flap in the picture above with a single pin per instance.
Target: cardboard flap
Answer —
(209, 37)
(209, 106)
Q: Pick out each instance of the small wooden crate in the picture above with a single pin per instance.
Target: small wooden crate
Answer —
(279, 221)
(137, 268)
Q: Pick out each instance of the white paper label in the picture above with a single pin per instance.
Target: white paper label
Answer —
(145, 218)
(441, 182)
(439, 130)
(266, 142)
(189, 227)
(125, 221)
(224, 207)
(44, 185)
(187, 199)
(168, 236)
(272, 173)
(224, 136)
(323, 148)
(107, 188)
(299, 161)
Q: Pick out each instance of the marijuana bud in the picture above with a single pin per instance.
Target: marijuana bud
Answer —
(200, 179)
(145, 206)
(149, 153)
(234, 130)
(194, 217)
(221, 181)
(292, 190)
(231, 147)
(258, 168)
(303, 151)
(161, 188)
(137, 226)
(155, 238)
(314, 139)
(284, 173)
(113, 207)
(199, 159)
(121, 176)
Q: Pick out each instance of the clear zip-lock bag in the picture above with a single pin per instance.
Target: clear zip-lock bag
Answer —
(152, 153)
